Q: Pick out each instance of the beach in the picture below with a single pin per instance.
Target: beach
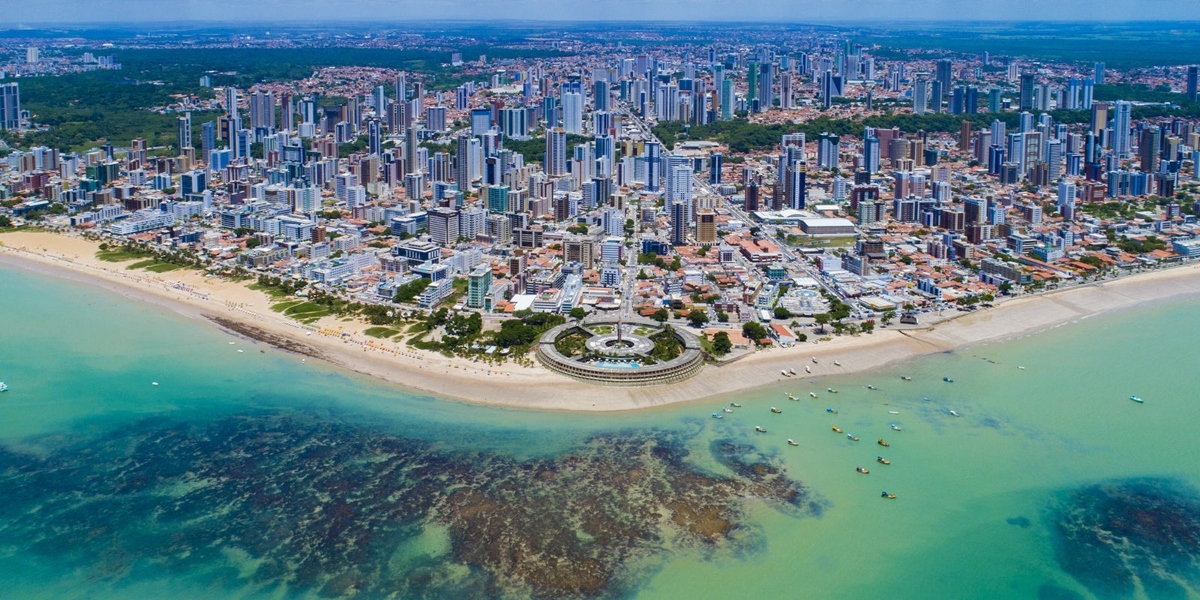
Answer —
(245, 312)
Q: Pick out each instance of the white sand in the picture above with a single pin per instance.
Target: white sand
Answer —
(191, 294)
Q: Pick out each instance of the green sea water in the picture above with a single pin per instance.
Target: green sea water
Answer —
(979, 513)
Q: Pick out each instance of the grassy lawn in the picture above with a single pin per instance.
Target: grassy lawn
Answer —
(274, 293)
(643, 331)
(282, 306)
(154, 266)
(303, 311)
(602, 329)
(120, 255)
(381, 332)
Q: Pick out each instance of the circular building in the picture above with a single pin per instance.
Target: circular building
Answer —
(610, 352)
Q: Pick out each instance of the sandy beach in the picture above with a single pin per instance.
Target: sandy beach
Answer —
(242, 311)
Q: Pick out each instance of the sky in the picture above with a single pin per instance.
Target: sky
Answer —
(31, 12)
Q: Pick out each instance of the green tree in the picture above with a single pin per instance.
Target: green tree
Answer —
(782, 313)
(661, 315)
(721, 343)
(754, 330)
(578, 313)
(409, 291)
(697, 318)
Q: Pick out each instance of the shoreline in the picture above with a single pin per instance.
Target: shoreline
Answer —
(238, 310)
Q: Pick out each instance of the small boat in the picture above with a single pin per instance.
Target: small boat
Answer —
(861, 470)
(814, 360)
(954, 413)
(895, 427)
(792, 442)
(893, 412)
(759, 429)
(837, 429)
(831, 410)
(947, 380)
(852, 437)
(1137, 399)
(154, 383)
(262, 351)
(813, 394)
(775, 410)
(716, 416)
(905, 378)
(831, 390)
(232, 343)
(3, 387)
(1021, 367)
(837, 364)
(792, 371)
(782, 372)
(807, 369)
(735, 405)
(239, 350)
(927, 398)
(888, 496)
(870, 387)
(882, 442)
(790, 396)
(883, 461)
(727, 409)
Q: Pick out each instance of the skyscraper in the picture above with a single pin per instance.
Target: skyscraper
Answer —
(944, 74)
(679, 220)
(572, 113)
(1122, 144)
(184, 132)
(1098, 77)
(10, 106)
(262, 109)
(556, 152)
(920, 94)
(726, 100)
(1193, 72)
(1148, 151)
(1026, 101)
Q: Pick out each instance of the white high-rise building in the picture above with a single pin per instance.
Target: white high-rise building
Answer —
(572, 106)
(1122, 138)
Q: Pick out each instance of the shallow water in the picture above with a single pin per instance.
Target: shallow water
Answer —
(256, 475)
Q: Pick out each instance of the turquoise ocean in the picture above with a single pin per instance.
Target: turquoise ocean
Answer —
(253, 474)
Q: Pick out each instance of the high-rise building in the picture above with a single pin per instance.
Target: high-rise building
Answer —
(184, 131)
(920, 94)
(679, 220)
(1193, 72)
(706, 227)
(262, 109)
(10, 106)
(945, 73)
(870, 154)
(556, 152)
(1026, 97)
(1098, 76)
(1122, 143)
(726, 100)
(1148, 149)
(572, 113)
(31, 55)
(479, 283)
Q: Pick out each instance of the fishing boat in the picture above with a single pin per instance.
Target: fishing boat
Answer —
(775, 410)
(837, 364)
(831, 390)
(814, 360)
(813, 394)
(783, 372)
(716, 416)
(947, 380)
(727, 409)
(792, 442)
(882, 442)
(852, 437)
(759, 429)
(883, 461)
(831, 410)
(954, 413)
(1137, 399)
(807, 369)
(735, 405)
(837, 429)
(861, 470)
(790, 396)
(870, 387)
(905, 378)
(3, 387)
(888, 496)
(895, 427)
(792, 371)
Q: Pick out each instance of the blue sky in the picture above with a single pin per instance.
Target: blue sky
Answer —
(363, 11)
